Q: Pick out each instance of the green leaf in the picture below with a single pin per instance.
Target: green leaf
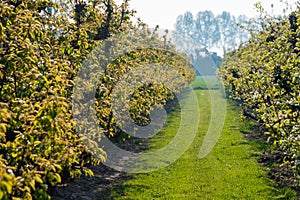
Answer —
(14, 154)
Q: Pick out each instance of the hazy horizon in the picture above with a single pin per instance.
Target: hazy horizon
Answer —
(164, 13)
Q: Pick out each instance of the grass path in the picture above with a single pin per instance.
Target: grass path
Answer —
(230, 171)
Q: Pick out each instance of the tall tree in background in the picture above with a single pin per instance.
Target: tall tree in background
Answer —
(213, 31)
(243, 35)
(206, 29)
(186, 25)
(228, 31)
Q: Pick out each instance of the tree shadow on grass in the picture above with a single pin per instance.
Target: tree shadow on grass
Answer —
(106, 183)
(205, 88)
(98, 187)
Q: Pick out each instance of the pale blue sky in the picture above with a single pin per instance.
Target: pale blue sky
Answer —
(165, 12)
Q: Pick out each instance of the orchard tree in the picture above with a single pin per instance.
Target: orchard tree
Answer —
(42, 44)
(263, 74)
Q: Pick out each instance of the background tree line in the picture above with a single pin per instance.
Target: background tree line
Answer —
(214, 31)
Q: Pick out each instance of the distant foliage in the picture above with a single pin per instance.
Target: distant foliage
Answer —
(264, 75)
(210, 31)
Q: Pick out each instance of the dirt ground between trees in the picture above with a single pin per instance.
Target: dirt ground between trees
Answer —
(97, 187)
(104, 181)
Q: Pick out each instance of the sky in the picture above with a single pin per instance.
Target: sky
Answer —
(165, 12)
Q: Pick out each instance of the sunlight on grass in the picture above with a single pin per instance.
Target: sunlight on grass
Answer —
(230, 171)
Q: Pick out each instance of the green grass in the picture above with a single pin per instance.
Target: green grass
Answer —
(230, 171)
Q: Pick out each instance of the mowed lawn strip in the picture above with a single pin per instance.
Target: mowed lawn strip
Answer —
(230, 171)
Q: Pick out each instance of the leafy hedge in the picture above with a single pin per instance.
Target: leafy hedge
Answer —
(147, 95)
(264, 75)
(38, 143)
(42, 46)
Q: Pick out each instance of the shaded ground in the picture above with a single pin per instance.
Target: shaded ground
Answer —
(104, 181)
(91, 188)
(283, 175)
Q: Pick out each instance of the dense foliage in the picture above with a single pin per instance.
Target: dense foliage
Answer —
(147, 95)
(42, 46)
(264, 76)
